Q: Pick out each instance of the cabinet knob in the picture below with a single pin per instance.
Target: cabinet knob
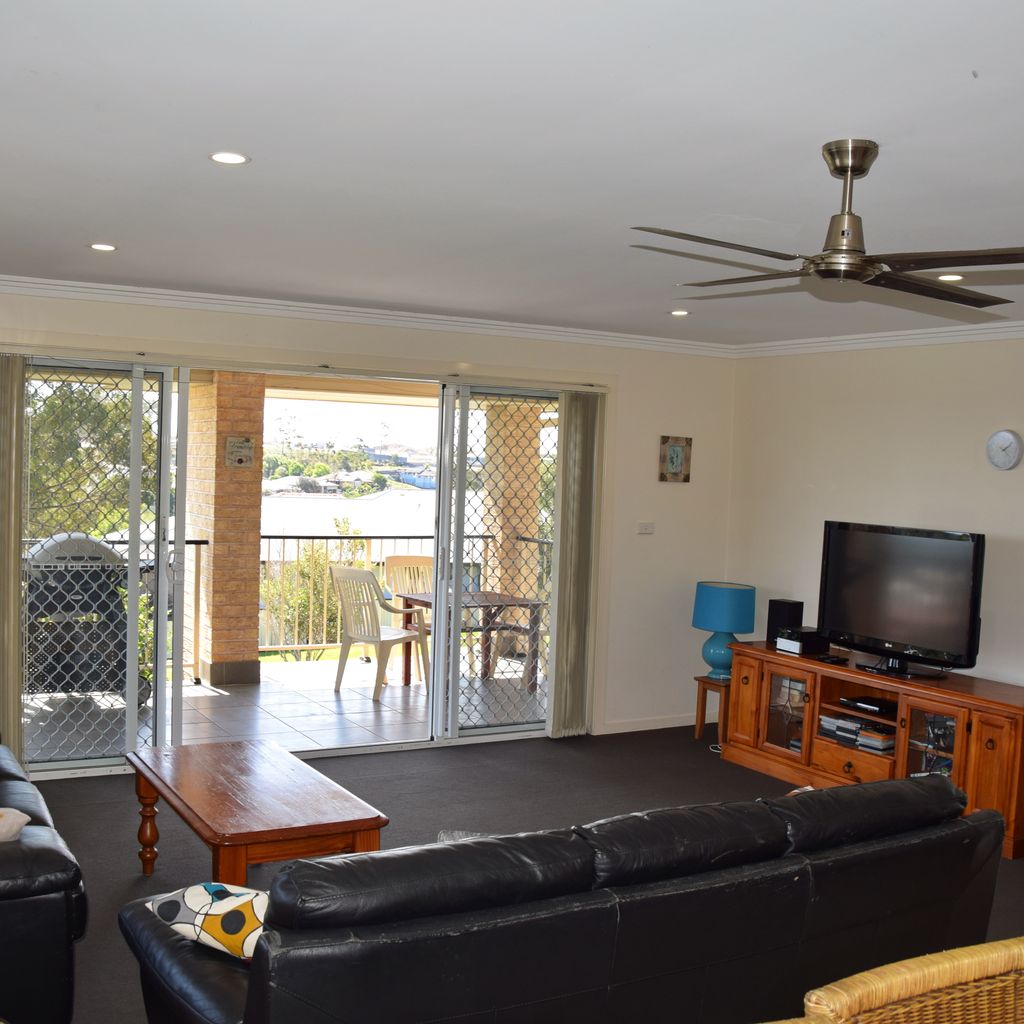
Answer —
(903, 723)
(744, 680)
(990, 744)
(807, 698)
(848, 767)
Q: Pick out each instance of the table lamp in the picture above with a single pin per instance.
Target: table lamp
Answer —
(725, 609)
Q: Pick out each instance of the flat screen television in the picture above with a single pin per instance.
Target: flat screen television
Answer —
(906, 595)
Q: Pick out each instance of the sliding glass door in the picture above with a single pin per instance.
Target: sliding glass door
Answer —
(95, 561)
(497, 534)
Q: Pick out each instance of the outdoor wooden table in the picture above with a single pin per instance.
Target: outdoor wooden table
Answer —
(250, 802)
(490, 603)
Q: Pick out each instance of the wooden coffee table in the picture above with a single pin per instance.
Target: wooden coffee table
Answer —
(250, 802)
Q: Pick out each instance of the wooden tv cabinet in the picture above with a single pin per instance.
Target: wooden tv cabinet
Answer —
(784, 708)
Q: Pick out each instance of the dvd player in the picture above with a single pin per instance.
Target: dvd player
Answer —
(874, 705)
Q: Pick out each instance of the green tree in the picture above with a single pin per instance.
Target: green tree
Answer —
(79, 452)
(78, 440)
(300, 602)
(299, 596)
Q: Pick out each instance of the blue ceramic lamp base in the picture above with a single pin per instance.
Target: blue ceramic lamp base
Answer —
(717, 654)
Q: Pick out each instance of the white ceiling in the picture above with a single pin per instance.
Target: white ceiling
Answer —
(486, 159)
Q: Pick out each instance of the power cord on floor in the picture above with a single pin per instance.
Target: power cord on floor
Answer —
(715, 748)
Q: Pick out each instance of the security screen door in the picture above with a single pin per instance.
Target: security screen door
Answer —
(95, 561)
(496, 543)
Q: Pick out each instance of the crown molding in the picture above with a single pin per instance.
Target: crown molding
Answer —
(167, 298)
(1003, 330)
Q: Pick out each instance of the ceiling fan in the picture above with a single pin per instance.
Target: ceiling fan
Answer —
(844, 257)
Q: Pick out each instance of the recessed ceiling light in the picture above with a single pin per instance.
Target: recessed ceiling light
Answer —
(103, 247)
(229, 158)
(951, 277)
(680, 312)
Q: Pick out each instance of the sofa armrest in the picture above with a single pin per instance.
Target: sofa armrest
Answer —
(183, 982)
(38, 862)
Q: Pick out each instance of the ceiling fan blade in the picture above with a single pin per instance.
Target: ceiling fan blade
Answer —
(935, 290)
(658, 248)
(953, 258)
(747, 280)
(725, 245)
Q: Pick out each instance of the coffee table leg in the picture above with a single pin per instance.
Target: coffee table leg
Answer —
(148, 832)
(230, 865)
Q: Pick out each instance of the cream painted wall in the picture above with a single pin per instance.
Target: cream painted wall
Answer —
(646, 652)
(894, 436)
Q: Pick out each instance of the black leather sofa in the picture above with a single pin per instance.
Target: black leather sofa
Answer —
(721, 914)
(42, 909)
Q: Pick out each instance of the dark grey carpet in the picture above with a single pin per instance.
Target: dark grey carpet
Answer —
(498, 787)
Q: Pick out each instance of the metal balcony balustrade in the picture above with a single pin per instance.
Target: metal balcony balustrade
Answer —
(298, 609)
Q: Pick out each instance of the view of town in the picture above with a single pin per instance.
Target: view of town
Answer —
(370, 468)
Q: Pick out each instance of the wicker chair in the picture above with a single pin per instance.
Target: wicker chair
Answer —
(973, 985)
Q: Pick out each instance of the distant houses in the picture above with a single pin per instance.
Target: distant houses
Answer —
(334, 483)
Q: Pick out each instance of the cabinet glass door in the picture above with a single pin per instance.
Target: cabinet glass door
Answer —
(932, 739)
(787, 711)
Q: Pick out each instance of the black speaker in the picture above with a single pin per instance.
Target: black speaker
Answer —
(782, 613)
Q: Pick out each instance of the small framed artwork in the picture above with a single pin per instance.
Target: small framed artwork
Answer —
(674, 459)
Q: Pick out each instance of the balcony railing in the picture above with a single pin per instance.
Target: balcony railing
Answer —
(298, 608)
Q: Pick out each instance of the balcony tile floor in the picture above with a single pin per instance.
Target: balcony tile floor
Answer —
(295, 705)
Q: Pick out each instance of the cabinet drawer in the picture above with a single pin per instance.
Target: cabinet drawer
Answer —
(855, 765)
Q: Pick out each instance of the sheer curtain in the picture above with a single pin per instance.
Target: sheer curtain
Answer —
(12, 413)
(579, 442)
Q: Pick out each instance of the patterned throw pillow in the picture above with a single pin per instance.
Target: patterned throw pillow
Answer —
(226, 917)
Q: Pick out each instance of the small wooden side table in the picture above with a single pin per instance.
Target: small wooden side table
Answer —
(721, 687)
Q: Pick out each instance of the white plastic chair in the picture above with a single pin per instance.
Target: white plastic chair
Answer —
(410, 574)
(414, 574)
(362, 601)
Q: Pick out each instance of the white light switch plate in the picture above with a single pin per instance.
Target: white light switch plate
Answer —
(645, 528)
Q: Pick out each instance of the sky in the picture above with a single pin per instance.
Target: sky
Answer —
(349, 423)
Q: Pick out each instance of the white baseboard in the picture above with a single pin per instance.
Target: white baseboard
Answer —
(642, 724)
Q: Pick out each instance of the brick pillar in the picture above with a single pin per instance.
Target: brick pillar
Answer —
(224, 501)
(512, 499)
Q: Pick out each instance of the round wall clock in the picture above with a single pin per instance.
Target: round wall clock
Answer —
(1004, 449)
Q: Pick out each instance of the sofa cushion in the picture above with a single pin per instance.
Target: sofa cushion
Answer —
(25, 797)
(870, 810)
(675, 841)
(395, 885)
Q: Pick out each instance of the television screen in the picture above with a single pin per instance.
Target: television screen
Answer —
(902, 593)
